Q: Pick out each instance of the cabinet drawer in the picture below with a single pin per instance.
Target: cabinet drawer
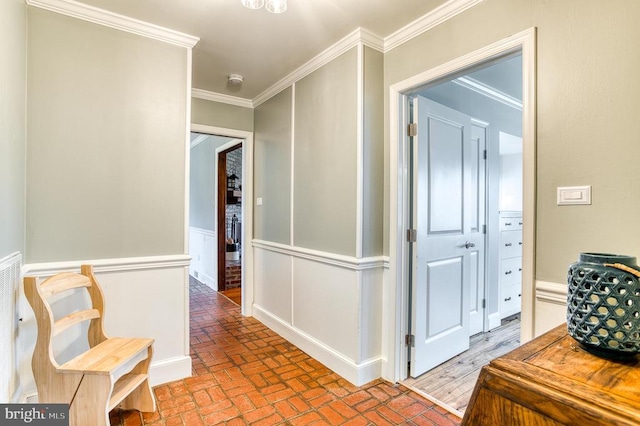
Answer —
(510, 298)
(510, 271)
(510, 244)
(510, 223)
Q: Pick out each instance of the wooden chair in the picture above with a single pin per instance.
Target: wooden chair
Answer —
(113, 371)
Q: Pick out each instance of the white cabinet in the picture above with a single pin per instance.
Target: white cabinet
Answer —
(510, 262)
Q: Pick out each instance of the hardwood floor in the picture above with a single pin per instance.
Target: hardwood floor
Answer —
(453, 381)
(234, 294)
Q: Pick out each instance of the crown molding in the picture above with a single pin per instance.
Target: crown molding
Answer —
(356, 37)
(489, 92)
(114, 20)
(222, 98)
(437, 16)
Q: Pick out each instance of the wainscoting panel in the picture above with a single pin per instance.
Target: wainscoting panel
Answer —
(327, 305)
(551, 306)
(144, 297)
(272, 283)
(203, 252)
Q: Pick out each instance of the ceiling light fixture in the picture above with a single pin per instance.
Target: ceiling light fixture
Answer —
(273, 6)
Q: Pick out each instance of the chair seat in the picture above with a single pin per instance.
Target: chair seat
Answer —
(114, 355)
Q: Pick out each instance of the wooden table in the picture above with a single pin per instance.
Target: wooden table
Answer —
(552, 381)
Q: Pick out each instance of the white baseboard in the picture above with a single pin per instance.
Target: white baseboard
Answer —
(358, 374)
(169, 370)
(494, 320)
(206, 280)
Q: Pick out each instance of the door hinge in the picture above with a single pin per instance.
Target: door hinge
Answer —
(484, 154)
(484, 303)
(484, 229)
(410, 340)
(412, 129)
(412, 235)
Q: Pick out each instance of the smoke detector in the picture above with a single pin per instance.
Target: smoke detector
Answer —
(235, 79)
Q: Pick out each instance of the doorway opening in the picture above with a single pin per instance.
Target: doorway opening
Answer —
(450, 277)
(220, 190)
(229, 219)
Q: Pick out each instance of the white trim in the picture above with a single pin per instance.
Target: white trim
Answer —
(347, 262)
(437, 16)
(114, 20)
(198, 140)
(222, 98)
(247, 206)
(187, 156)
(360, 152)
(356, 373)
(170, 370)
(8, 260)
(356, 37)
(488, 91)
(551, 292)
(107, 265)
(396, 311)
(494, 320)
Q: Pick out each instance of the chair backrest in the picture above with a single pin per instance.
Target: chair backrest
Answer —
(39, 295)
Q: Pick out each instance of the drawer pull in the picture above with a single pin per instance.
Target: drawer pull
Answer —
(507, 299)
(508, 245)
(519, 223)
(520, 243)
(519, 295)
(507, 224)
(507, 273)
(519, 269)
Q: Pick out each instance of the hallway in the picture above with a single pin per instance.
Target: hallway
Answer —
(245, 374)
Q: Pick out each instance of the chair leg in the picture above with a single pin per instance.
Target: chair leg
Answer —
(90, 406)
(140, 399)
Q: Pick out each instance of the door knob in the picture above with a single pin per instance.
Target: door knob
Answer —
(469, 245)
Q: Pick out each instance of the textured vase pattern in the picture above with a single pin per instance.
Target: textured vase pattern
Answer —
(603, 305)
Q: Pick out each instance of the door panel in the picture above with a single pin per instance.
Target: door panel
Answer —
(449, 252)
(445, 177)
(447, 316)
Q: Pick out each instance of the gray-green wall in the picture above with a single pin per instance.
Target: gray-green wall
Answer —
(202, 181)
(320, 114)
(325, 163)
(12, 125)
(373, 152)
(221, 115)
(588, 113)
(272, 169)
(106, 142)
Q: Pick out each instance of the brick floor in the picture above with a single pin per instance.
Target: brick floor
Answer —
(245, 374)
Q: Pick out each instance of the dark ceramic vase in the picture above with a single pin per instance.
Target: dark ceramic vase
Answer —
(603, 305)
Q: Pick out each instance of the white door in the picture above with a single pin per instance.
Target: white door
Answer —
(449, 254)
(478, 209)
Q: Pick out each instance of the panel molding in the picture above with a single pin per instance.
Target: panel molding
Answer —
(348, 262)
(551, 292)
(108, 265)
(109, 19)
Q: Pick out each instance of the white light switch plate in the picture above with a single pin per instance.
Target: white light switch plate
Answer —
(572, 195)
(259, 201)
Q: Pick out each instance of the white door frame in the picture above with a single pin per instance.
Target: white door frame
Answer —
(246, 250)
(396, 309)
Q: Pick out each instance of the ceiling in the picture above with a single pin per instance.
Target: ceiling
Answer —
(261, 46)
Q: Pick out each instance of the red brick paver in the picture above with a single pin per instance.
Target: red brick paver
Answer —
(245, 374)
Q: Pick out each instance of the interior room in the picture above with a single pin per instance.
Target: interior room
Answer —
(294, 154)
